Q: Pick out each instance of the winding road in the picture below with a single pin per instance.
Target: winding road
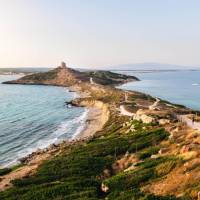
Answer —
(123, 111)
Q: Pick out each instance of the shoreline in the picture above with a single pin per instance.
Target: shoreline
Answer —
(75, 136)
(93, 123)
(97, 116)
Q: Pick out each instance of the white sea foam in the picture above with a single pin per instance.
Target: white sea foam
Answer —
(82, 119)
(68, 126)
(195, 84)
(75, 94)
(10, 164)
(64, 128)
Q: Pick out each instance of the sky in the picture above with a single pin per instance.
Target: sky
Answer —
(93, 33)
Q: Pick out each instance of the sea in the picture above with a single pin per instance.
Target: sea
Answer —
(178, 86)
(33, 117)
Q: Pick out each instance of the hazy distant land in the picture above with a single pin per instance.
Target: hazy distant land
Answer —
(140, 67)
(25, 70)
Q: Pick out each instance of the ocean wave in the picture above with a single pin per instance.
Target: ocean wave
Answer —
(66, 127)
(82, 119)
(33, 118)
(63, 129)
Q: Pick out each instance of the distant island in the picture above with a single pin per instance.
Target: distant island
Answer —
(135, 146)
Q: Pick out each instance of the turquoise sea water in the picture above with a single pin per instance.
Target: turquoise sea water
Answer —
(181, 87)
(33, 117)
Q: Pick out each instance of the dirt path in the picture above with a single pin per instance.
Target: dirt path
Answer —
(123, 111)
(154, 105)
(91, 81)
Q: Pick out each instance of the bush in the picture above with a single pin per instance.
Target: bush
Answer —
(165, 168)
(148, 152)
(5, 171)
(127, 180)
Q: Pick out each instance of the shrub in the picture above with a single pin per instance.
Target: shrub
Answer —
(5, 171)
(127, 180)
(148, 152)
(164, 168)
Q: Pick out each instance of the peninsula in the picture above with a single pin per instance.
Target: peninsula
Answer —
(140, 147)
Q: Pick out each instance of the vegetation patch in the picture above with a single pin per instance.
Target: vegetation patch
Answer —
(148, 152)
(41, 76)
(5, 171)
(108, 78)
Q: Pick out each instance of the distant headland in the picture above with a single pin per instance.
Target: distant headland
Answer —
(65, 76)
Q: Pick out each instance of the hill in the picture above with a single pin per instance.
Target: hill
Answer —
(64, 76)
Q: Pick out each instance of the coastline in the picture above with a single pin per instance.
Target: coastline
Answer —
(97, 116)
(93, 123)
(115, 148)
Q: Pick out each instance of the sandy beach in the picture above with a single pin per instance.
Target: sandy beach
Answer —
(97, 116)
(93, 123)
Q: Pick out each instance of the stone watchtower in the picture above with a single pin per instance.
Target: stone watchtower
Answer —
(63, 65)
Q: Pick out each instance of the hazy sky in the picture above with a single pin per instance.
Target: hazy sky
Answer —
(99, 32)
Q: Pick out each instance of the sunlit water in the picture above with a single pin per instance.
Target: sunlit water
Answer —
(33, 117)
(181, 87)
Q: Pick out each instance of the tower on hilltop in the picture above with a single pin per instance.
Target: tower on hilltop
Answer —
(63, 65)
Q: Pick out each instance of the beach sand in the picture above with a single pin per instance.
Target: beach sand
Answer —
(94, 123)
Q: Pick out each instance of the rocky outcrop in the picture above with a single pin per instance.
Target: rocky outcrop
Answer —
(140, 115)
(164, 121)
